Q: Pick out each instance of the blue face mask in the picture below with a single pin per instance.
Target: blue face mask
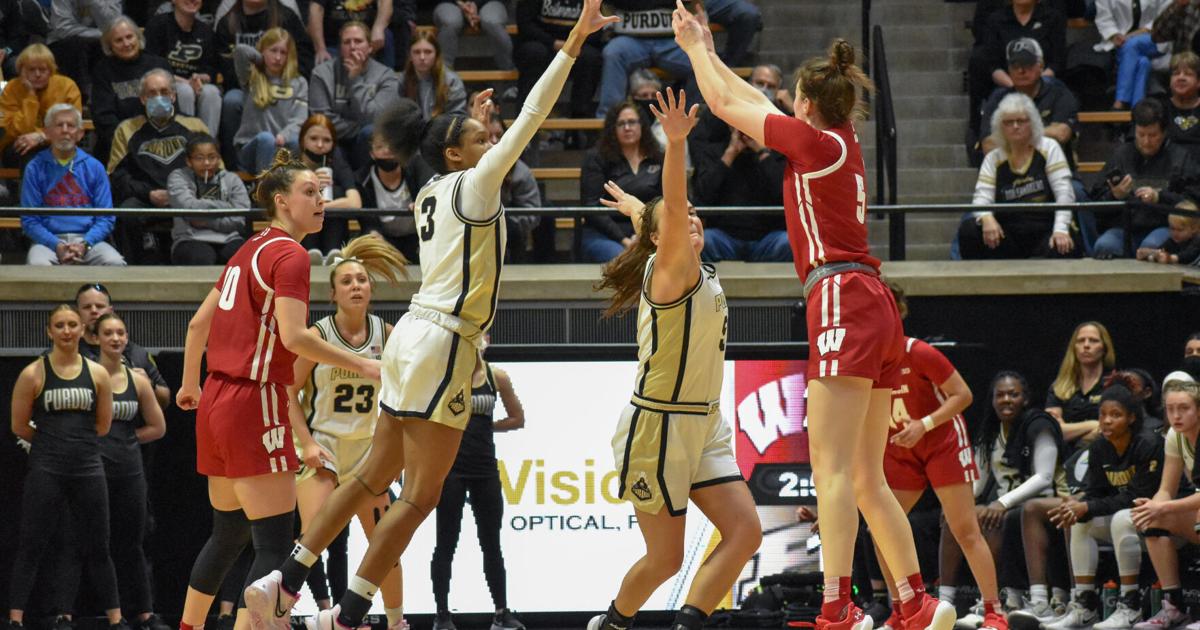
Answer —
(159, 107)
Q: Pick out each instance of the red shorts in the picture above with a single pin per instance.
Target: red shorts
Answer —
(242, 429)
(854, 329)
(941, 458)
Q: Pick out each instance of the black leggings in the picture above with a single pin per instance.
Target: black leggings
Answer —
(488, 505)
(127, 527)
(47, 498)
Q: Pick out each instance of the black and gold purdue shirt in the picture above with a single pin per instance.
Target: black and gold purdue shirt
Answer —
(65, 415)
(144, 154)
(1114, 479)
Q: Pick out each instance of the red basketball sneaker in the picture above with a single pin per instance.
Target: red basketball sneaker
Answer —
(934, 615)
(852, 619)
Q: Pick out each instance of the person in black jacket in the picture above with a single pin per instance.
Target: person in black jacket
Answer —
(732, 169)
(1125, 465)
(187, 44)
(1152, 169)
(117, 82)
(542, 29)
(392, 180)
(627, 155)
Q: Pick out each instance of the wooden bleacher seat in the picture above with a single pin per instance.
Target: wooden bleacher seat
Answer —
(1090, 167)
(1105, 117)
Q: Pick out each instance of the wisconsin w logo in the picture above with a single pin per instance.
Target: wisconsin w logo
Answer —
(831, 340)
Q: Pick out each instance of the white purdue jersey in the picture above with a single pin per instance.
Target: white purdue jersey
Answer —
(461, 257)
(681, 345)
(340, 402)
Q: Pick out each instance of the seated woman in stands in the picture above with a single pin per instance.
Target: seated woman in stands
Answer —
(318, 141)
(1074, 398)
(427, 80)
(1122, 466)
(1025, 167)
(117, 80)
(625, 154)
(278, 103)
(1183, 106)
(25, 101)
(1167, 519)
(1019, 453)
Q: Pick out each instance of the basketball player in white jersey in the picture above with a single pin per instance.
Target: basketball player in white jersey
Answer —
(426, 392)
(672, 444)
(333, 410)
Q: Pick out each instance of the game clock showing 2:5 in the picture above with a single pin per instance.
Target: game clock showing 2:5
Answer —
(782, 484)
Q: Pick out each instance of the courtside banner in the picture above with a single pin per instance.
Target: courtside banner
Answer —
(567, 539)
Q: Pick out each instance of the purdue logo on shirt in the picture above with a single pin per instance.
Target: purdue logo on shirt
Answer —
(69, 399)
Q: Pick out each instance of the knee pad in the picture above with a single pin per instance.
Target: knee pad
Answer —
(230, 533)
(272, 536)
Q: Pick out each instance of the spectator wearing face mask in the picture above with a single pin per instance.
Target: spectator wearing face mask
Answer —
(392, 180)
(146, 149)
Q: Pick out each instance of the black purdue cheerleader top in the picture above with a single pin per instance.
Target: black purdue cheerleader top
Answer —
(65, 414)
(119, 449)
(477, 451)
(1114, 480)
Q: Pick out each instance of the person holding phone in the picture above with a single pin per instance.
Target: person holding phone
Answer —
(1150, 169)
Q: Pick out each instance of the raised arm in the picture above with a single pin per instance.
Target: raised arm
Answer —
(677, 266)
(746, 116)
(484, 181)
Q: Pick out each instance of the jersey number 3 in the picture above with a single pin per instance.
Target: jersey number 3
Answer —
(427, 208)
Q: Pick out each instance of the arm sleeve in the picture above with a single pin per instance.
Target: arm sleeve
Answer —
(320, 99)
(299, 108)
(801, 142)
(101, 228)
(456, 96)
(104, 102)
(1045, 461)
(1096, 489)
(985, 184)
(1060, 180)
(243, 57)
(1147, 477)
(20, 113)
(127, 185)
(387, 92)
(481, 185)
(1190, 252)
(524, 188)
(290, 272)
(34, 226)
(1106, 23)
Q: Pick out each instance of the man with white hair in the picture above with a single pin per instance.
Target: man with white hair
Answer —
(145, 150)
(64, 176)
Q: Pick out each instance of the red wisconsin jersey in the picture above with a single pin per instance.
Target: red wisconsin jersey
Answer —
(921, 370)
(824, 192)
(244, 339)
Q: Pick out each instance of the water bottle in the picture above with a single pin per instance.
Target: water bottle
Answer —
(1110, 595)
(1155, 598)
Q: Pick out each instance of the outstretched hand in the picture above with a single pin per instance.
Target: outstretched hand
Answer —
(624, 203)
(688, 31)
(677, 121)
(592, 20)
(482, 106)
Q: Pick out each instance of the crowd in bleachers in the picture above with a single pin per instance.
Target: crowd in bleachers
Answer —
(146, 79)
(1026, 85)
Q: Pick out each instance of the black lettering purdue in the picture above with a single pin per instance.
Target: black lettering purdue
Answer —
(69, 399)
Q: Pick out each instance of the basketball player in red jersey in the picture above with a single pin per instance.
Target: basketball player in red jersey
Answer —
(259, 311)
(928, 444)
(853, 324)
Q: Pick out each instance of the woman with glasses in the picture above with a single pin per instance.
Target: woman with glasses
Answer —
(628, 155)
(1025, 167)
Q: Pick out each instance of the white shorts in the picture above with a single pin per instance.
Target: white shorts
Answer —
(662, 457)
(349, 455)
(426, 373)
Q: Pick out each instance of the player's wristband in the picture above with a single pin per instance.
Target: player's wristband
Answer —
(927, 422)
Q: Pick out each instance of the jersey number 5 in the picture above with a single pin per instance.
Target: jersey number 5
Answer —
(427, 208)
(229, 288)
(860, 202)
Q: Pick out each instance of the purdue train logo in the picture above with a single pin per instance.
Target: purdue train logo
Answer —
(456, 404)
(641, 489)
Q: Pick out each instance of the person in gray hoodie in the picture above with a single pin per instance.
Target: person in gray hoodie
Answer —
(351, 90)
(203, 184)
(74, 38)
(278, 99)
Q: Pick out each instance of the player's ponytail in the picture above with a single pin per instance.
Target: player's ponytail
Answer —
(277, 179)
(835, 84)
(624, 273)
(376, 255)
